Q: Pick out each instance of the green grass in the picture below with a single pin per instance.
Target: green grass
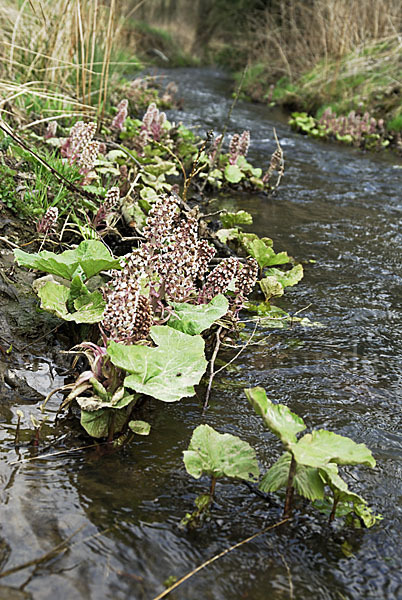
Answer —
(28, 188)
(395, 124)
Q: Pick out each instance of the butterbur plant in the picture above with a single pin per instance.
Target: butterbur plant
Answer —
(122, 113)
(108, 206)
(158, 301)
(47, 224)
(310, 464)
(80, 147)
(217, 455)
(238, 146)
(363, 131)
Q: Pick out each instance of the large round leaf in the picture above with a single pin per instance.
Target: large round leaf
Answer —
(195, 318)
(219, 455)
(321, 447)
(167, 372)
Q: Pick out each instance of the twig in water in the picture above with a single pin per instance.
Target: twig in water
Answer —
(240, 351)
(211, 367)
(213, 559)
(47, 556)
(212, 363)
(289, 577)
(44, 456)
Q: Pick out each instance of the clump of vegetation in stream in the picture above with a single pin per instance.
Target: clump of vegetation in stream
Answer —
(309, 465)
(362, 131)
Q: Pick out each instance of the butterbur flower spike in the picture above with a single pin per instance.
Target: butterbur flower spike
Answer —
(80, 147)
(111, 201)
(127, 317)
(48, 222)
(122, 113)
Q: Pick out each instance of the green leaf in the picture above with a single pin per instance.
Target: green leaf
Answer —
(271, 287)
(88, 308)
(140, 427)
(264, 254)
(219, 455)
(195, 318)
(225, 235)
(99, 422)
(241, 217)
(91, 255)
(347, 501)
(307, 481)
(233, 174)
(167, 372)
(277, 417)
(287, 278)
(321, 447)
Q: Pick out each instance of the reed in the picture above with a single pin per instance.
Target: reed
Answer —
(292, 37)
(60, 48)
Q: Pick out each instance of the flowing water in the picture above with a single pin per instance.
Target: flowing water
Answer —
(340, 208)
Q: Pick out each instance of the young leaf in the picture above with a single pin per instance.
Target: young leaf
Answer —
(287, 278)
(240, 217)
(88, 308)
(344, 497)
(140, 427)
(91, 255)
(307, 481)
(167, 372)
(225, 235)
(321, 447)
(233, 174)
(277, 417)
(271, 287)
(195, 318)
(263, 254)
(219, 455)
(97, 423)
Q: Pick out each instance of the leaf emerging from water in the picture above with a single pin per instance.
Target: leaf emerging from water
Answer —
(321, 447)
(307, 481)
(241, 217)
(140, 427)
(219, 455)
(277, 417)
(98, 423)
(287, 278)
(263, 253)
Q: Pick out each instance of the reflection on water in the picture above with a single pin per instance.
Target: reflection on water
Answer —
(340, 208)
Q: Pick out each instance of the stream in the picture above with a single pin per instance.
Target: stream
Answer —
(338, 210)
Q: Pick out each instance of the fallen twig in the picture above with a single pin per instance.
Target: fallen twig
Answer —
(214, 558)
(47, 556)
(44, 456)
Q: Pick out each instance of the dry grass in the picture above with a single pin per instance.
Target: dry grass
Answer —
(57, 50)
(298, 35)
